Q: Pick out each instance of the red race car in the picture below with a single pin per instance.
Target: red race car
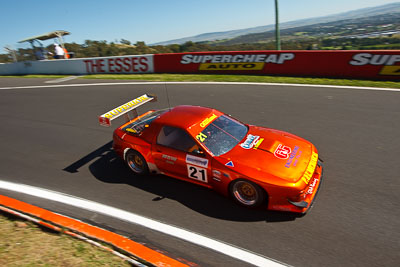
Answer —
(254, 165)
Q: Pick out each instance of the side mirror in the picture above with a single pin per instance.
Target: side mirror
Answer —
(198, 152)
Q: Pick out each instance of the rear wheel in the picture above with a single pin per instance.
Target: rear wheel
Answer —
(136, 162)
(247, 193)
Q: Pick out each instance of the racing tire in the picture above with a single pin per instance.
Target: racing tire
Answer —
(136, 162)
(247, 193)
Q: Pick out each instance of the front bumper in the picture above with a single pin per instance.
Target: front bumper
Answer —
(311, 191)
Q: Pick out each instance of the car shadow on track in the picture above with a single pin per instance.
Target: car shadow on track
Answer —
(107, 167)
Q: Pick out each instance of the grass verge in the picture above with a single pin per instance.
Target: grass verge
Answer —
(25, 244)
(230, 78)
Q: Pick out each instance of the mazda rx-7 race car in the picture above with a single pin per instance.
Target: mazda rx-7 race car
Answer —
(254, 165)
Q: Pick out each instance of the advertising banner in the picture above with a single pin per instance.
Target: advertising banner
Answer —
(371, 64)
(116, 65)
(81, 66)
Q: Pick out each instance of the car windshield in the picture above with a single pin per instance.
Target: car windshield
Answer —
(139, 125)
(222, 135)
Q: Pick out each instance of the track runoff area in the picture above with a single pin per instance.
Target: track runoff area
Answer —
(196, 90)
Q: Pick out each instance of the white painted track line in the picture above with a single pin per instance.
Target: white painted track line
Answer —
(207, 242)
(210, 83)
(62, 79)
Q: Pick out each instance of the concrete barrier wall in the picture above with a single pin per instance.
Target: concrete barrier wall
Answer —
(9, 69)
(372, 64)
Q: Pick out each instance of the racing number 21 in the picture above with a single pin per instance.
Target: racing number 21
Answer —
(201, 137)
(197, 173)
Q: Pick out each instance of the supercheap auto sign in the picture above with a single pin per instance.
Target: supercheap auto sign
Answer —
(221, 62)
(336, 64)
(390, 64)
(235, 62)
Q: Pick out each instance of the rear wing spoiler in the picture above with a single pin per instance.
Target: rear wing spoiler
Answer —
(106, 118)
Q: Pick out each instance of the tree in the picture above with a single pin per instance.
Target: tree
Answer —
(124, 41)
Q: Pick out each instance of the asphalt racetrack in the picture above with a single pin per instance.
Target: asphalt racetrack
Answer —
(50, 138)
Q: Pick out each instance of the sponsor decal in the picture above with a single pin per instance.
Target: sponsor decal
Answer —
(230, 164)
(208, 120)
(282, 152)
(216, 173)
(311, 187)
(202, 162)
(310, 168)
(292, 157)
(130, 130)
(236, 62)
(125, 107)
(296, 160)
(258, 143)
(169, 159)
(250, 141)
(389, 62)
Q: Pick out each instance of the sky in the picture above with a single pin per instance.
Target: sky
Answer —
(153, 21)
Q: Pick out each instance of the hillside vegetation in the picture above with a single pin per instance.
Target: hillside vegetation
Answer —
(383, 31)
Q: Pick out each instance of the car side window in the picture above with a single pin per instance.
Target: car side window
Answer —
(176, 138)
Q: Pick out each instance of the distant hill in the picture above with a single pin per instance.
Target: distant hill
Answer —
(369, 26)
(359, 13)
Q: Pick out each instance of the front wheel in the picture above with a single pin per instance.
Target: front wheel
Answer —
(136, 162)
(247, 193)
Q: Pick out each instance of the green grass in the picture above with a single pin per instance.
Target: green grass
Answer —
(25, 244)
(382, 46)
(230, 78)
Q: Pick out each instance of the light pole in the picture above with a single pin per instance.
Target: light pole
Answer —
(277, 34)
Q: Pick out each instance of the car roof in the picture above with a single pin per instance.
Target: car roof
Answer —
(186, 116)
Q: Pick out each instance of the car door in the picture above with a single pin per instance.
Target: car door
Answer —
(177, 154)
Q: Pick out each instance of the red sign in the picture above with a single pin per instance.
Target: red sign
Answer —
(371, 64)
(128, 64)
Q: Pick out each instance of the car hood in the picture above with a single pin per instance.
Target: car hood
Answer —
(268, 154)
